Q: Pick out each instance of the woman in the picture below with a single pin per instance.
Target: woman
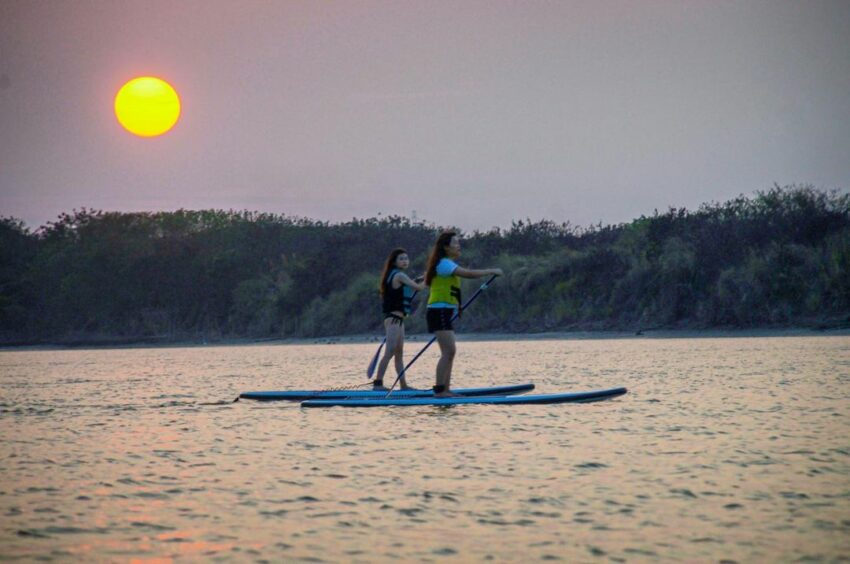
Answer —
(443, 276)
(397, 291)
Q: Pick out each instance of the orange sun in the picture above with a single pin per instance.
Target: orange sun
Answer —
(147, 106)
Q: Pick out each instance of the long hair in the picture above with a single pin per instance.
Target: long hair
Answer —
(388, 266)
(438, 253)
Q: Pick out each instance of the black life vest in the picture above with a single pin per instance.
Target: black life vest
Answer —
(396, 299)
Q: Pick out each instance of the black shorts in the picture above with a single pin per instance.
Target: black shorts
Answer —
(440, 319)
(395, 319)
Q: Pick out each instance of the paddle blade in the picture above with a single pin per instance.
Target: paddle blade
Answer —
(371, 370)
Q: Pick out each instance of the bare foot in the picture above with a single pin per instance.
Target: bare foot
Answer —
(447, 394)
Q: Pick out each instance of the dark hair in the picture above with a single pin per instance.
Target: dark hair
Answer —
(389, 265)
(437, 253)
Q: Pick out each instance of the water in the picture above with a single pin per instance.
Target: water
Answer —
(732, 449)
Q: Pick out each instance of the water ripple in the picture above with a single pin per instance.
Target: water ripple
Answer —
(724, 450)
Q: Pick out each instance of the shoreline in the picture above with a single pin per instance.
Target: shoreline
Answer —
(462, 337)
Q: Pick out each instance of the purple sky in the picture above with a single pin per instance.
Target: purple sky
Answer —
(471, 113)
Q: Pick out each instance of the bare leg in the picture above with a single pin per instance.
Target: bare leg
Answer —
(446, 340)
(399, 358)
(395, 337)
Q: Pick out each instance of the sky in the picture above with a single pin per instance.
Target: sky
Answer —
(463, 113)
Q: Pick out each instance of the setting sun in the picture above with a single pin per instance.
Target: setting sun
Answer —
(147, 106)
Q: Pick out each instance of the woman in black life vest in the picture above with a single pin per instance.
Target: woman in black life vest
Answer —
(396, 292)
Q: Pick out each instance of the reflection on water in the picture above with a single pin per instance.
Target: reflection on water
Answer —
(725, 449)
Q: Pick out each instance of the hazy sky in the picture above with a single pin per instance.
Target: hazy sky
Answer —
(472, 113)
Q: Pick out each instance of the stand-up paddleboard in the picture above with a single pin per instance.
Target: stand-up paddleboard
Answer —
(575, 397)
(301, 395)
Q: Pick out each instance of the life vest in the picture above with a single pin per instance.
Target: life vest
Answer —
(445, 290)
(396, 299)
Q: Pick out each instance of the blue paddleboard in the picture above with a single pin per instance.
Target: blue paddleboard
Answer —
(301, 395)
(574, 397)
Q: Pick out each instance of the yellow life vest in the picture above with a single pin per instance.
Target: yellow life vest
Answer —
(445, 290)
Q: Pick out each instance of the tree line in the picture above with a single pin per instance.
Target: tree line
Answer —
(775, 259)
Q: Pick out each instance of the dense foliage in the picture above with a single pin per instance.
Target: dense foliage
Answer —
(779, 258)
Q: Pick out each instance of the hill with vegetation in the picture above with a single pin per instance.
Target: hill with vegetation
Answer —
(780, 258)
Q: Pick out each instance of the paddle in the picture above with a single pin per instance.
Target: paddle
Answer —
(371, 370)
(434, 338)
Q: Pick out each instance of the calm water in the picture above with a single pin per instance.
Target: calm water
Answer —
(732, 449)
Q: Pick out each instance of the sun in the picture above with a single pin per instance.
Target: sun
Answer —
(147, 106)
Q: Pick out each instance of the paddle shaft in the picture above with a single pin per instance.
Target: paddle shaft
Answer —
(434, 338)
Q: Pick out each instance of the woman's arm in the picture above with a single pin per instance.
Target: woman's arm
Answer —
(403, 278)
(470, 273)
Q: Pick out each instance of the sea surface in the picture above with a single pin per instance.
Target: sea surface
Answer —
(731, 449)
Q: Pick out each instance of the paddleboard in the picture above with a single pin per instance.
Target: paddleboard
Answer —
(574, 397)
(301, 395)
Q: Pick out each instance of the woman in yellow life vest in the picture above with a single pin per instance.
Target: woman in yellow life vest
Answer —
(443, 275)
